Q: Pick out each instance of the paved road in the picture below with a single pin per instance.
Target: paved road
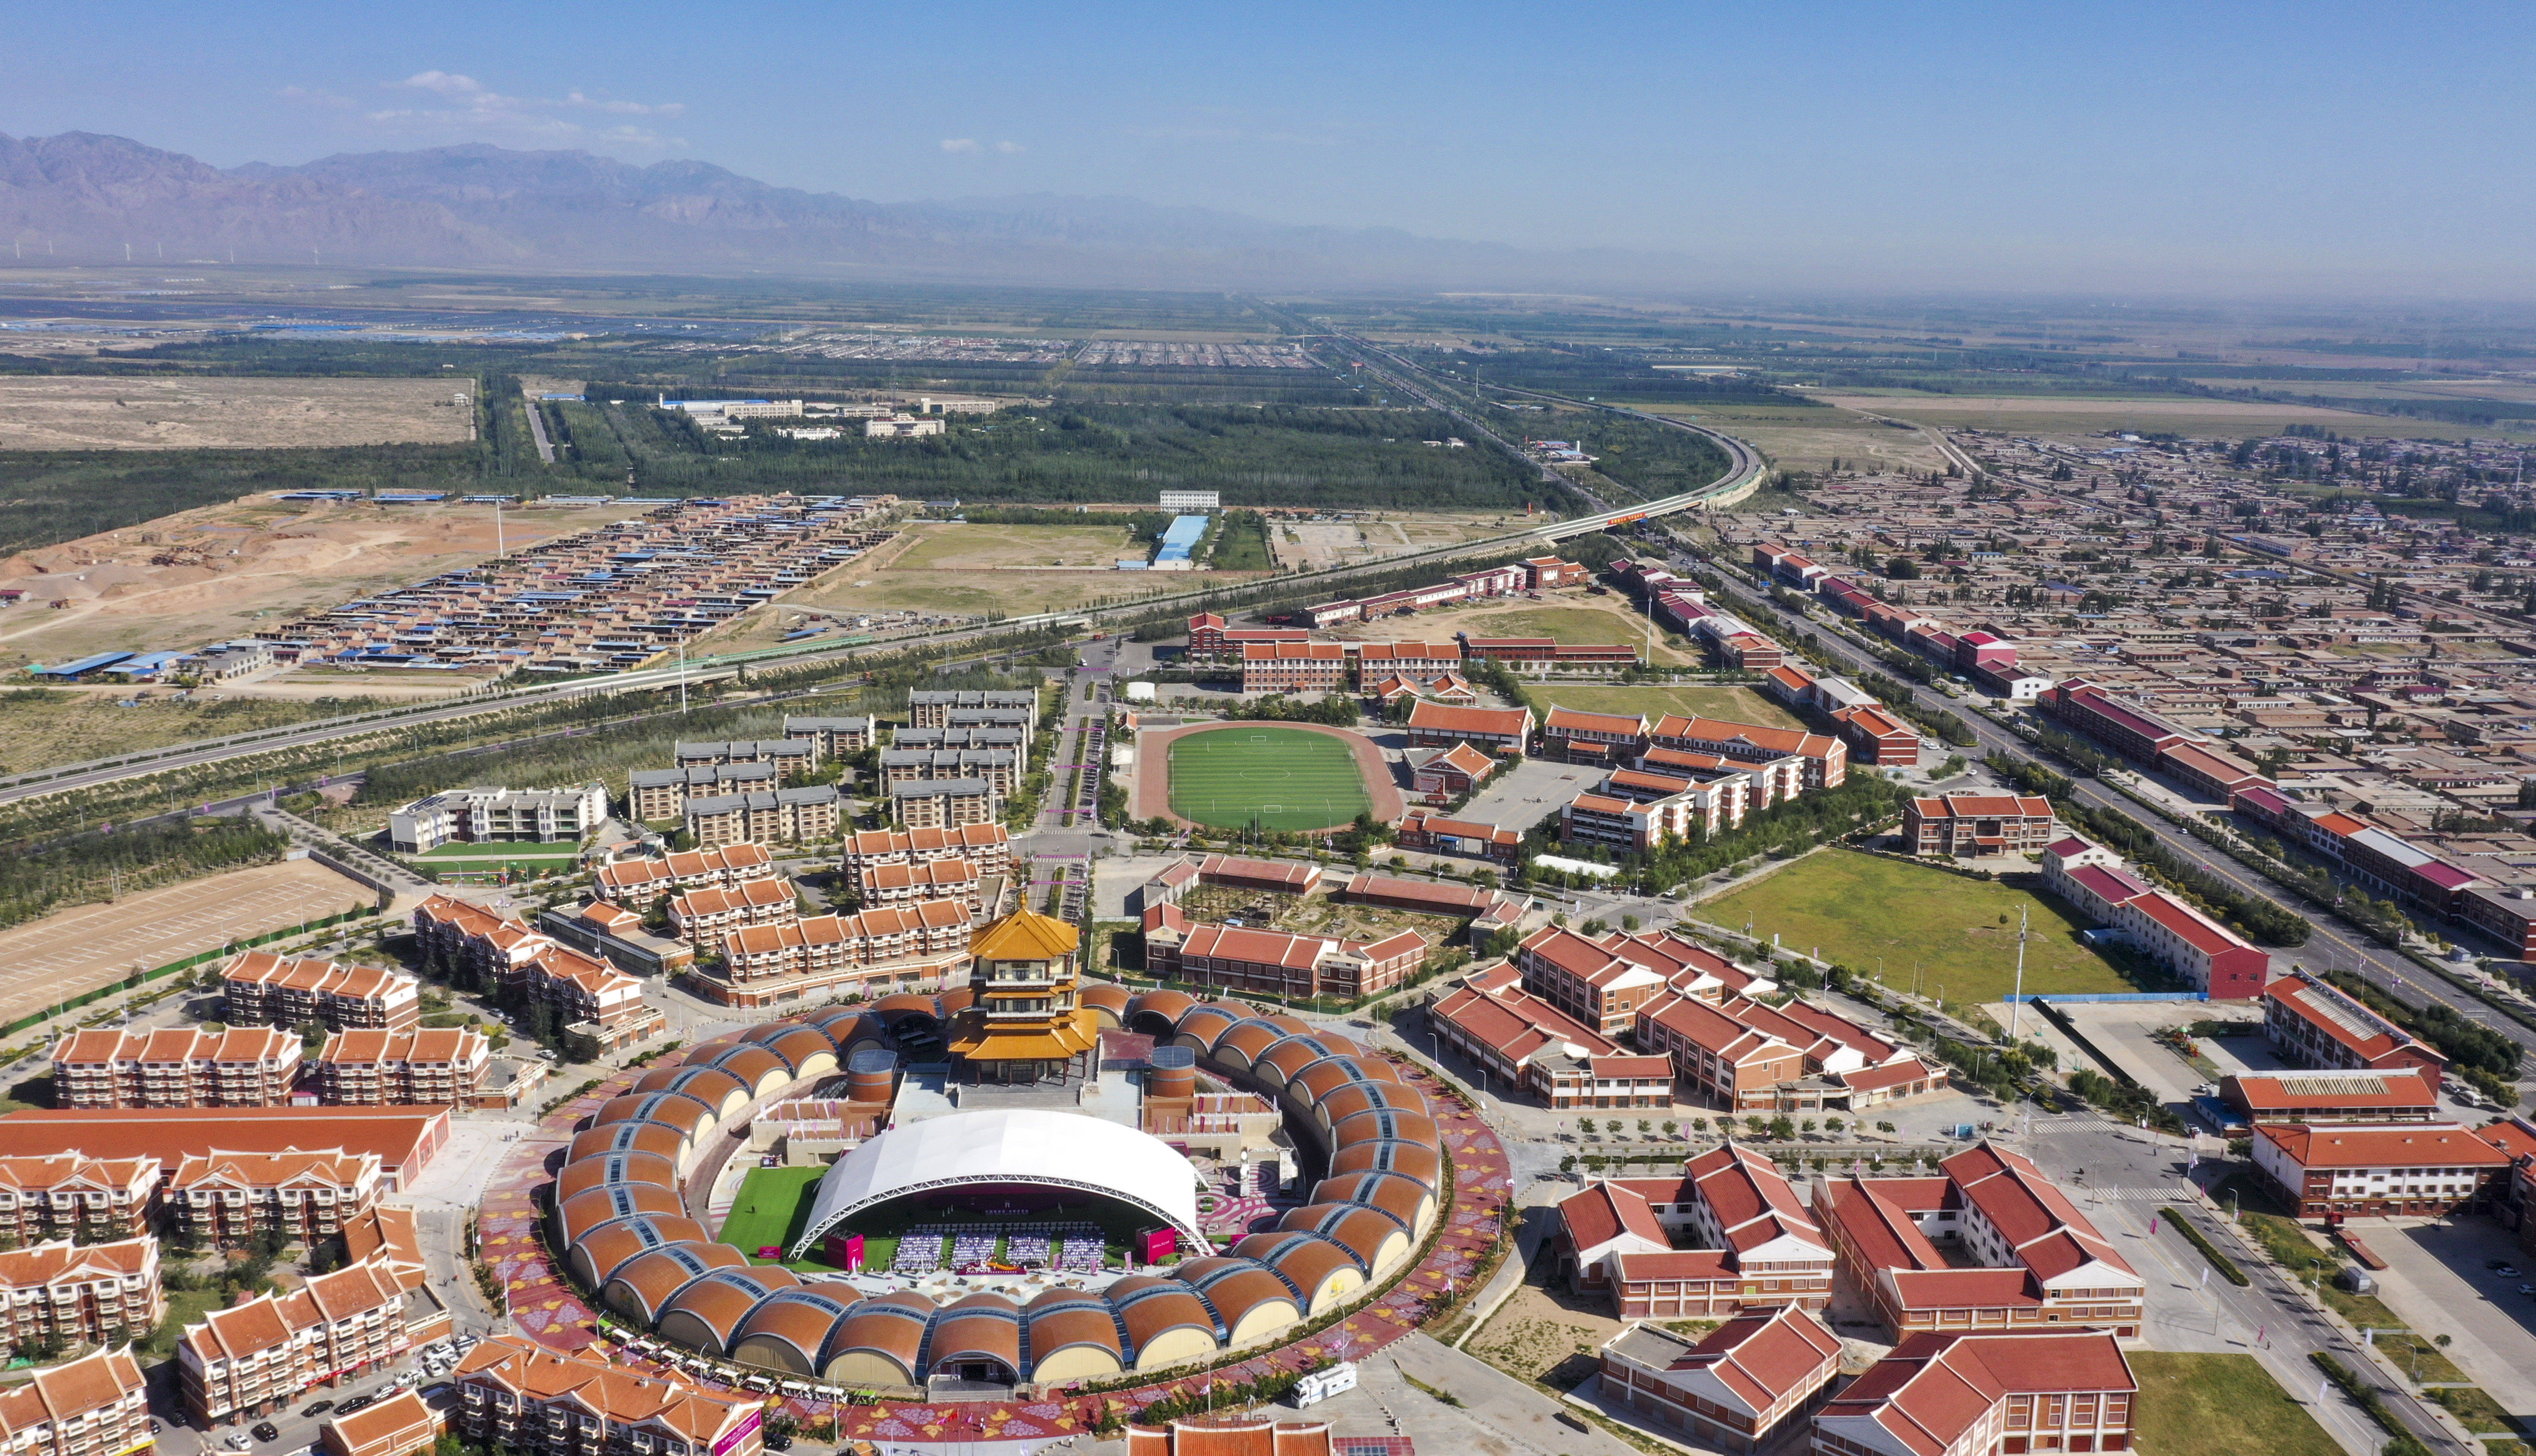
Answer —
(2331, 944)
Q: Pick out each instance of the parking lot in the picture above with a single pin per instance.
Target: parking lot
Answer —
(2438, 1280)
(293, 1430)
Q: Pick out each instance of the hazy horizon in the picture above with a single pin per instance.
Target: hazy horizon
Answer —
(2329, 152)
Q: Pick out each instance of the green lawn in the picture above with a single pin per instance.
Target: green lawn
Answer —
(1853, 908)
(773, 1208)
(1272, 777)
(2220, 1405)
(1706, 700)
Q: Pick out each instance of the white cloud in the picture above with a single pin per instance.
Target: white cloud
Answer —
(959, 143)
(1010, 149)
(458, 103)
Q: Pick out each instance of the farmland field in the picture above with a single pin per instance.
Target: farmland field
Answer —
(69, 412)
(1274, 777)
(1960, 932)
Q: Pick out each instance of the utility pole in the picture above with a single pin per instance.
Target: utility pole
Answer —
(2016, 998)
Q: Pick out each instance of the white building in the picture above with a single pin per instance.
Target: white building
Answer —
(1192, 500)
(497, 816)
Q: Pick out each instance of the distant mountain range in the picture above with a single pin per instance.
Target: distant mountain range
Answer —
(85, 196)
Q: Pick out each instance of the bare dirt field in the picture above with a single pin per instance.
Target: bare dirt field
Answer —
(203, 576)
(79, 950)
(40, 727)
(67, 411)
(1797, 438)
(953, 546)
(1311, 545)
(2067, 415)
(1570, 615)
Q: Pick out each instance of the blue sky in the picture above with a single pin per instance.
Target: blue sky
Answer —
(2258, 149)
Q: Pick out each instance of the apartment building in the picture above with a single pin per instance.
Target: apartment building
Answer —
(442, 1066)
(933, 709)
(1209, 638)
(660, 795)
(703, 917)
(94, 1406)
(1732, 1389)
(177, 1067)
(790, 758)
(944, 803)
(1641, 810)
(1494, 731)
(934, 879)
(1417, 662)
(587, 996)
(1767, 780)
(227, 1198)
(1540, 654)
(1585, 980)
(71, 1195)
(1726, 1236)
(900, 947)
(640, 882)
(1494, 1023)
(1293, 667)
(2426, 1170)
(833, 738)
(2021, 1254)
(262, 1355)
(261, 988)
(98, 1293)
(519, 1396)
(498, 816)
(988, 847)
(1964, 824)
(1825, 760)
(1714, 1057)
(1877, 734)
(968, 753)
(1977, 1393)
(779, 816)
(2312, 1023)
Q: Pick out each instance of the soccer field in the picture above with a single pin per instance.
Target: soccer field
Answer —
(1273, 777)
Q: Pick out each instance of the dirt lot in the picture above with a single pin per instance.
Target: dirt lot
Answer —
(1734, 704)
(1570, 615)
(1546, 1337)
(963, 548)
(204, 576)
(1315, 545)
(79, 950)
(1319, 915)
(77, 413)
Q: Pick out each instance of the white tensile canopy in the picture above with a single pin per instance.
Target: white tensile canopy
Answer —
(1046, 1148)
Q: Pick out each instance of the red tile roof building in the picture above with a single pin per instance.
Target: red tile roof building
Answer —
(640, 882)
(1969, 824)
(2023, 1254)
(1875, 735)
(1437, 834)
(400, 1425)
(94, 1406)
(1209, 637)
(71, 1195)
(1585, 980)
(2416, 1169)
(588, 996)
(100, 1294)
(1729, 1234)
(261, 1355)
(222, 1197)
(1282, 876)
(1489, 729)
(1421, 661)
(988, 847)
(177, 1067)
(2311, 1022)
(1731, 1389)
(2209, 956)
(1574, 737)
(1986, 1394)
(1293, 668)
(259, 989)
(702, 915)
(1229, 958)
(1495, 1023)
(1234, 1435)
(2330, 1096)
(404, 1140)
(887, 948)
(516, 1395)
(1825, 760)
(437, 1067)
(1439, 774)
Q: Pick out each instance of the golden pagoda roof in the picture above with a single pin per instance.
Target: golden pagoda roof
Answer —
(1024, 935)
(974, 1038)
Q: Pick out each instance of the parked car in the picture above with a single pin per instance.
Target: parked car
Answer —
(357, 1402)
(266, 1431)
(316, 1408)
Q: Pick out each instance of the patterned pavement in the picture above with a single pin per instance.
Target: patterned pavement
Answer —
(546, 1308)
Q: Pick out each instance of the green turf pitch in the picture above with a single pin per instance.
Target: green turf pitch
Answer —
(1274, 777)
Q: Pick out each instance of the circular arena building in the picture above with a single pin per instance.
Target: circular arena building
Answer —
(1381, 1183)
(980, 1158)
